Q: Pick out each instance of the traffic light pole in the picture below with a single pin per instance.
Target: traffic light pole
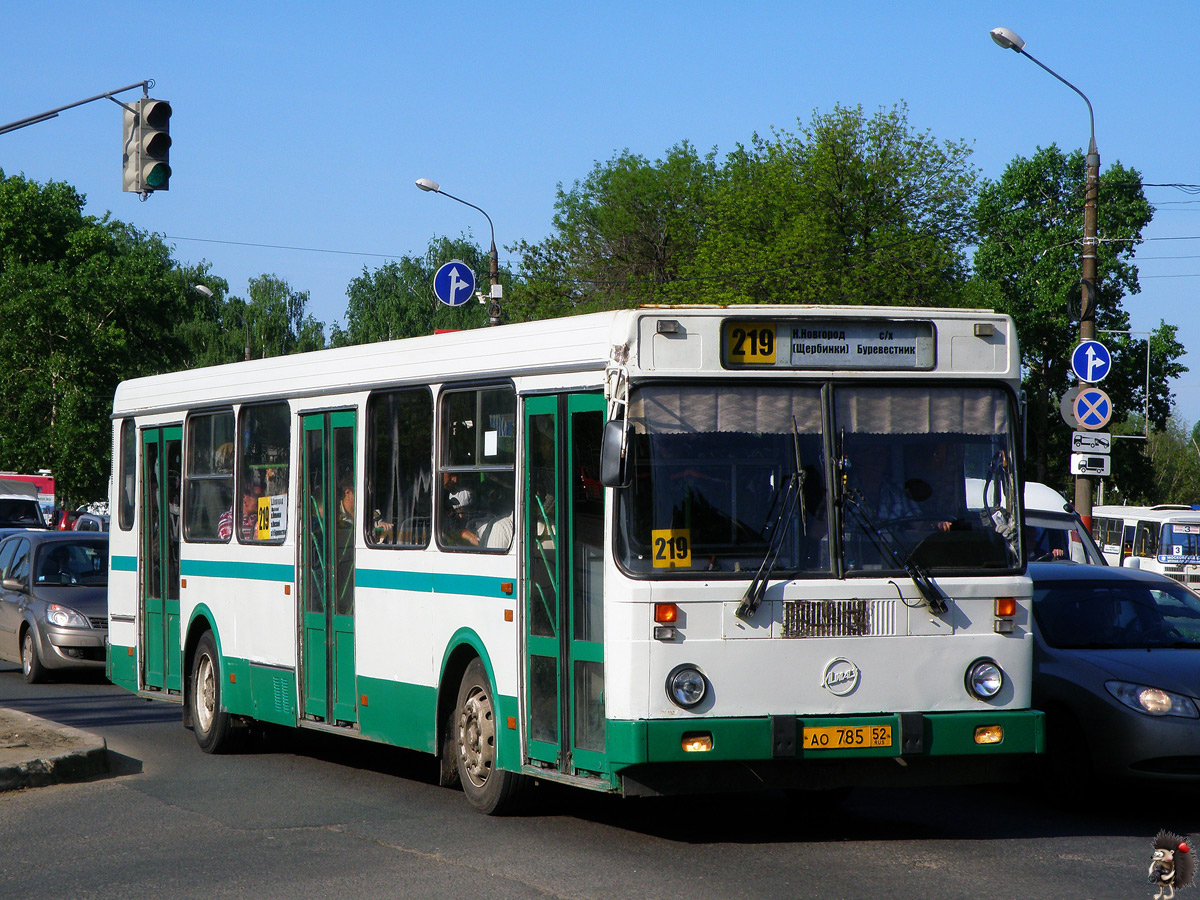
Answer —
(53, 113)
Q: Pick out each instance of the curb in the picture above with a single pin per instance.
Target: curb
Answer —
(52, 754)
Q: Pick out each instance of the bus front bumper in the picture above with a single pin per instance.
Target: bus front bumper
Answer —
(672, 756)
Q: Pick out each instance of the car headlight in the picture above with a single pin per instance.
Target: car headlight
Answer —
(65, 617)
(984, 678)
(1152, 701)
(686, 686)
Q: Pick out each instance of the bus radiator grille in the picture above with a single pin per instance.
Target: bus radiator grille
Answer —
(838, 618)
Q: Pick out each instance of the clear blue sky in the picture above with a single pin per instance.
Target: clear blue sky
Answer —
(304, 125)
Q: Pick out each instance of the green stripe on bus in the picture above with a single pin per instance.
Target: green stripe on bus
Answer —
(123, 563)
(230, 569)
(394, 581)
(441, 583)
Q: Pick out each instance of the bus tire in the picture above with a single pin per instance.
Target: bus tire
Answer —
(489, 789)
(213, 726)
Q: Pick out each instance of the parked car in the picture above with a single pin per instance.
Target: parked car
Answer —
(53, 601)
(1117, 671)
(90, 522)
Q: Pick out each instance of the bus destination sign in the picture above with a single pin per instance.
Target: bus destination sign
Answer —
(830, 344)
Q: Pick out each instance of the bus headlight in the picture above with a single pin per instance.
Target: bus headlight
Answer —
(686, 686)
(984, 678)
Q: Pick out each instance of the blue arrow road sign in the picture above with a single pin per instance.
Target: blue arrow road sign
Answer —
(454, 283)
(1091, 361)
(1092, 408)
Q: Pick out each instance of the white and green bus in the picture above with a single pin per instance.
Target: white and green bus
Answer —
(653, 551)
(1163, 539)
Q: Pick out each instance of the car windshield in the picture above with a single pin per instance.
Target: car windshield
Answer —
(1098, 613)
(82, 563)
(15, 512)
(725, 476)
(1059, 537)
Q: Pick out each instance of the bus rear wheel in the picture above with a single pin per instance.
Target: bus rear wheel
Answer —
(213, 726)
(488, 788)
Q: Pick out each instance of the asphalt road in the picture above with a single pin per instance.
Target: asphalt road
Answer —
(302, 815)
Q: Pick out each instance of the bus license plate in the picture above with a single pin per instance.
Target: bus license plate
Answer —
(842, 737)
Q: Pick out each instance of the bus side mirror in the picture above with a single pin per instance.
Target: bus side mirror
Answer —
(613, 469)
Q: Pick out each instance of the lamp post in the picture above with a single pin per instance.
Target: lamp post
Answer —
(1010, 40)
(497, 292)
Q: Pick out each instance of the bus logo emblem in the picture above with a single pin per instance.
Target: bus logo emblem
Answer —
(841, 677)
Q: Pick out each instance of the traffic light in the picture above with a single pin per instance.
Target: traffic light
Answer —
(147, 146)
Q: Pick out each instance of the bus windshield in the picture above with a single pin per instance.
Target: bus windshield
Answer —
(1179, 543)
(724, 475)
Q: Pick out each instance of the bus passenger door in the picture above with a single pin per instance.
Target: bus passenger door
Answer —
(158, 548)
(327, 536)
(563, 587)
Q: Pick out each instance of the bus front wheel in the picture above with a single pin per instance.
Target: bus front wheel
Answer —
(488, 788)
(213, 726)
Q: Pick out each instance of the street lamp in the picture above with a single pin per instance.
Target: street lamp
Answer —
(497, 292)
(1010, 40)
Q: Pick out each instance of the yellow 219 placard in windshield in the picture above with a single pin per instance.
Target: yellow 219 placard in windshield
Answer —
(672, 548)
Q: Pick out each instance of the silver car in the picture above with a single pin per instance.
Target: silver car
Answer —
(1117, 671)
(53, 601)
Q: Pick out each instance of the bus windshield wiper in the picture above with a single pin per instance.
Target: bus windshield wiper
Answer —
(787, 509)
(758, 584)
(885, 542)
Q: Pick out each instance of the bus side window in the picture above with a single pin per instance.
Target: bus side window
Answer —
(1126, 542)
(477, 465)
(399, 478)
(209, 476)
(127, 474)
(265, 439)
(1146, 543)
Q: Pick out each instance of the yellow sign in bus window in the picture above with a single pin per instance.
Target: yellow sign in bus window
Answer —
(750, 343)
(672, 548)
(262, 530)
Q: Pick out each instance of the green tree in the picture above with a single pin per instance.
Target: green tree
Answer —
(1030, 227)
(86, 302)
(1169, 465)
(851, 209)
(213, 334)
(397, 300)
(276, 320)
(623, 234)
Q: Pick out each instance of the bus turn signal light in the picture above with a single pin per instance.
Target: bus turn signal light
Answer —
(696, 743)
(1006, 606)
(666, 613)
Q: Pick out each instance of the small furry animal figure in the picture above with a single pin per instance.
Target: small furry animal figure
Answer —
(1173, 864)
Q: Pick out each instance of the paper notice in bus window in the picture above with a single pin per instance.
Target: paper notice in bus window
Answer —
(491, 443)
(672, 548)
(272, 518)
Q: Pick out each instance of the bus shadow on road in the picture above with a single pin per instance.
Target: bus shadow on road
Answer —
(343, 750)
(988, 813)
